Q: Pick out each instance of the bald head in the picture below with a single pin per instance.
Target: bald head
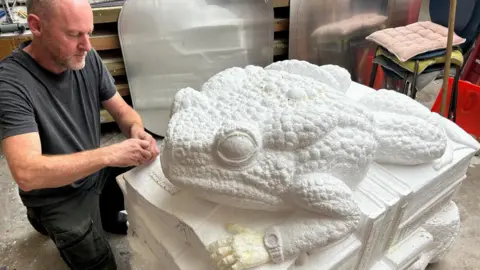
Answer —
(40, 7)
(61, 27)
(44, 8)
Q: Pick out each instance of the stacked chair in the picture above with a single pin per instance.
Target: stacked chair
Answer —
(417, 66)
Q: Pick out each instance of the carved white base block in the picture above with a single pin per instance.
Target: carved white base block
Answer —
(408, 220)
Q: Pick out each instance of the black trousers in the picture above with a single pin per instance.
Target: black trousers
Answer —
(76, 225)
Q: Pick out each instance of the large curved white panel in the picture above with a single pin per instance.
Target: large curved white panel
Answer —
(171, 44)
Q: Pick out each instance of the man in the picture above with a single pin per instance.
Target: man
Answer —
(51, 90)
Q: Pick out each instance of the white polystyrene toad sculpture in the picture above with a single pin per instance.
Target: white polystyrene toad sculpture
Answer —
(286, 138)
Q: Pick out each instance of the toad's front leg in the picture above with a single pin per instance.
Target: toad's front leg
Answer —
(326, 213)
(330, 214)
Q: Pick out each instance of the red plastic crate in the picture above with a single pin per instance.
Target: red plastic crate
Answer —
(468, 106)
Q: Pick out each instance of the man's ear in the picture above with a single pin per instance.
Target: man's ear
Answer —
(35, 24)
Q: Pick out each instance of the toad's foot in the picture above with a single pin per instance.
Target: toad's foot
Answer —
(242, 251)
(329, 214)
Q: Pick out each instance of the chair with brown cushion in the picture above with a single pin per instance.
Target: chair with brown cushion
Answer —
(419, 70)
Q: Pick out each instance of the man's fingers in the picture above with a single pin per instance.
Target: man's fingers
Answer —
(154, 148)
(142, 135)
(147, 155)
(152, 152)
(149, 146)
(144, 144)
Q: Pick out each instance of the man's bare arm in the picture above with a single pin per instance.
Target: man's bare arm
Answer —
(33, 170)
(129, 121)
(125, 116)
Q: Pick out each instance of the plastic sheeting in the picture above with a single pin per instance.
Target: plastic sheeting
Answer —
(330, 31)
(171, 44)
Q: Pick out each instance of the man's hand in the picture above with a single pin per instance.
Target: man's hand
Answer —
(130, 122)
(131, 152)
(139, 133)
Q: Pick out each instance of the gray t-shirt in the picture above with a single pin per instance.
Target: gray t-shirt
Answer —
(63, 108)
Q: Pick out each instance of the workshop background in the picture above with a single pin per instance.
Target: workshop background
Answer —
(23, 248)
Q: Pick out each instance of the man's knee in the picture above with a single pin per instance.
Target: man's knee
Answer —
(84, 247)
(35, 222)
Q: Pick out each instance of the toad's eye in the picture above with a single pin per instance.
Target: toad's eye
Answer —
(236, 145)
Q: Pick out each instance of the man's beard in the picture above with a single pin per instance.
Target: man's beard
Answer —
(66, 62)
(72, 62)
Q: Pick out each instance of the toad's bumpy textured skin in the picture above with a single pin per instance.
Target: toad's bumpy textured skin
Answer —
(274, 139)
(406, 131)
